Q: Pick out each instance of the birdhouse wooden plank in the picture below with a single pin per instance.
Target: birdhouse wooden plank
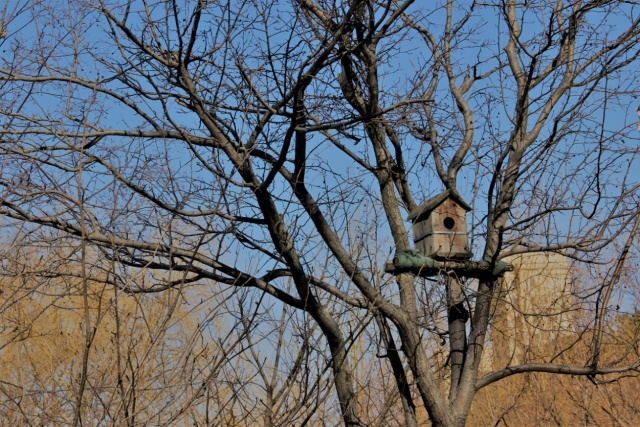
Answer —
(440, 227)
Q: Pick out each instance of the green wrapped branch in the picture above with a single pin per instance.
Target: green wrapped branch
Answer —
(413, 261)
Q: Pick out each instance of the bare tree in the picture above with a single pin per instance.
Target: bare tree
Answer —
(277, 148)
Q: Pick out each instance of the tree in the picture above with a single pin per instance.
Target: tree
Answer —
(542, 399)
(278, 147)
(548, 325)
(75, 349)
(172, 358)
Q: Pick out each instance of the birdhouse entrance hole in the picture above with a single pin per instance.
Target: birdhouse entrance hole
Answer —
(449, 223)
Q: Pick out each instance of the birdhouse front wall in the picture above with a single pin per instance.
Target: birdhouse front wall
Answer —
(443, 232)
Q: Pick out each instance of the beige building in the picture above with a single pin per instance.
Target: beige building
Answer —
(533, 310)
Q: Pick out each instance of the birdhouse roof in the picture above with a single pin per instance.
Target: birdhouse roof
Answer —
(432, 203)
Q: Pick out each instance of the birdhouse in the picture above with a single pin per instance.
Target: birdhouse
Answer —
(440, 227)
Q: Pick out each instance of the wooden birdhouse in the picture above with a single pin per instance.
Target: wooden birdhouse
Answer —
(440, 227)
